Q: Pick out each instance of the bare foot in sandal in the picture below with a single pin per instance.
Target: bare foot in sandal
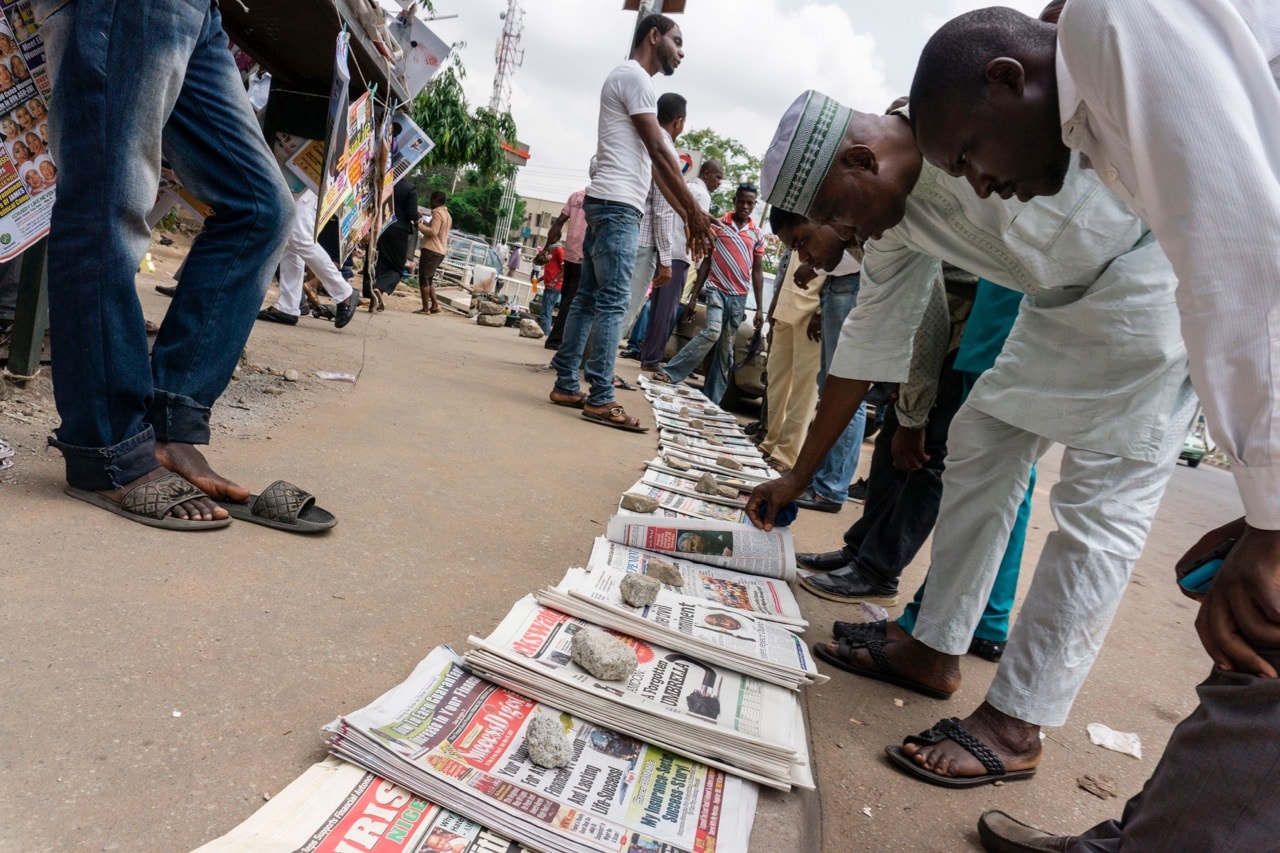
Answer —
(613, 415)
(1014, 742)
(196, 509)
(186, 460)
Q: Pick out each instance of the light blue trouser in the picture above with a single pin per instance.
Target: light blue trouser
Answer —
(839, 295)
(724, 316)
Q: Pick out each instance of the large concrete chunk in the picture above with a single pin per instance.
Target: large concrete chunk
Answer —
(546, 742)
(639, 503)
(603, 655)
(640, 590)
(665, 572)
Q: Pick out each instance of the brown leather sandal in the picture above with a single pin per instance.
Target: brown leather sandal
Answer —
(616, 417)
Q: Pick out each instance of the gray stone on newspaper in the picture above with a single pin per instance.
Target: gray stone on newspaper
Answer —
(713, 441)
(684, 412)
(724, 460)
(639, 503)
(492, 320)
(707, 484)
(665, 572)
(697, 423)
(677, 463)
(640, 590)
(727, 491)
(603, 655)
(710, 410)
(530, 329)
(547, 743)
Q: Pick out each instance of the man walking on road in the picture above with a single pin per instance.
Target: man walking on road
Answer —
(631, 152)
(736, 263)
(302, 251)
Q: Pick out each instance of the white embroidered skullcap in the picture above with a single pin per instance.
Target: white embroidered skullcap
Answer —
(803, 149)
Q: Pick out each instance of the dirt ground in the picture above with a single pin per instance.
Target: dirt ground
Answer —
(159, 686)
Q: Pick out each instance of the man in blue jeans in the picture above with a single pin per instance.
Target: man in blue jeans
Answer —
(131, 80)
(736, 263)
(631, 152)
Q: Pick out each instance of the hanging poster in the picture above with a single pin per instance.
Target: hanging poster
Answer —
(27, 171)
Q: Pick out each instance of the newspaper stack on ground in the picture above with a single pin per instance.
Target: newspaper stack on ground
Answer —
(459, 740)
(721, 636)
(713, 715)
(339, 807)
(673, 504)
(764, 598)
(739, 547)
(686, 483)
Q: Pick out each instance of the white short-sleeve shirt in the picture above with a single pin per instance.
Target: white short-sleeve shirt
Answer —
(624, 170)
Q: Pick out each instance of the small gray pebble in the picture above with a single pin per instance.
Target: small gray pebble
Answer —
(665, 572)
(603, 655)
(707, 484)
(678, 463)
(547, 743)
(639, 503)
(724, 460)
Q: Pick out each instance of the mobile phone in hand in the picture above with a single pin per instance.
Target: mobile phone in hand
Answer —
(1198, 575)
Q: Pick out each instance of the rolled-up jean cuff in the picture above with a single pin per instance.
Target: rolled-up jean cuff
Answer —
(178, 418)
(102, 468)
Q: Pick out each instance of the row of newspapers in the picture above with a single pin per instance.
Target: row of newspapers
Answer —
(669, 759)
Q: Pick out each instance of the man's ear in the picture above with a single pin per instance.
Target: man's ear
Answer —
(861, 158)
(1006, 73)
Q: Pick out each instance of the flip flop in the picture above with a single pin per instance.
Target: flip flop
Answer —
(423, 311)
(285, 507)
(952, 729)
(885, 670)
(570, 401)
(616, 417)
(149, 503)
(623, 384)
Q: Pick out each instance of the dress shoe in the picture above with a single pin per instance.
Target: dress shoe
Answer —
(275, 315)
(850, 584)
(858, 491)
(823, 562)
(1003, 834)
(347, 310)
(812, 500)
(166, 290)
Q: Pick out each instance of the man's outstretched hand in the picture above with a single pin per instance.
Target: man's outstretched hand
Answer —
(1241, 611)
(777, 494)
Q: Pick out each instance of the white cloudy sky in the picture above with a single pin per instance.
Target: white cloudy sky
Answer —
(745, 61)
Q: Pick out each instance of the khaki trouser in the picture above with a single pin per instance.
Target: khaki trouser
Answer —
(792, 391)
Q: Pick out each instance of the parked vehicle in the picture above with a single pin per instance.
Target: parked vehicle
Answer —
(466, 251)
(1196, 445)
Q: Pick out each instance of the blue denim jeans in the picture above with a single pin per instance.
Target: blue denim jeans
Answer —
(839, 295)
(608, 257)
(131, 80)
(724, 315)
(550, 299)
(639, 329)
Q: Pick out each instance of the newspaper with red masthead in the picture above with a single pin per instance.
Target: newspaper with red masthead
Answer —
(725, 545)
(763, 598)
(337, 807)
(710, 714)
(459, 740)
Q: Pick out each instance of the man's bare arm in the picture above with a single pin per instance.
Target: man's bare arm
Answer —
(667, 177)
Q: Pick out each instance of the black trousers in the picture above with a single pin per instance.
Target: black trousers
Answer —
(568, 290)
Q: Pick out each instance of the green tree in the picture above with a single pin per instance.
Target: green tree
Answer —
(463, 138)
(740, 166)
(474, 202)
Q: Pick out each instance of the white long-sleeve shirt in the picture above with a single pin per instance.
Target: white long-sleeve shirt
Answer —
(1095, 359)
(1177, 105)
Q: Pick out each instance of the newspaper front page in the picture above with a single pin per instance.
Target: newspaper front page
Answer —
(763, 598)
(725, 545)
(725, 716)
(462, 739)
(338, 807)
(709, 627)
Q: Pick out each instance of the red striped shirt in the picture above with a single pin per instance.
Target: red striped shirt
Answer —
(733, 255)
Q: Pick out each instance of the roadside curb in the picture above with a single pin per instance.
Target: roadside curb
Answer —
(790, 821)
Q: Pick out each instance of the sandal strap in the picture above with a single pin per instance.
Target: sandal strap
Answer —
(154, 498)
(952, 728)
(861, 631)
(282, 501)
(875, 648)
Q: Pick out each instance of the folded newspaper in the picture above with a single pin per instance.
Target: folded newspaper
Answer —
(338, 807)
(682, 505)
(694, 626)
(724, 545)
(763, 598)
(459, 741)
(707, 713)
(754, 471)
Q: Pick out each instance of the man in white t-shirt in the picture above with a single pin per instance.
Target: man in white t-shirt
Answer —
(631, 153)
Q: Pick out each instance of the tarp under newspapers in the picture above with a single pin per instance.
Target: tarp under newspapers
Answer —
(338, 807)
(459, 741)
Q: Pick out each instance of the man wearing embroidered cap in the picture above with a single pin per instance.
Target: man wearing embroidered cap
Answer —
(1120, 402)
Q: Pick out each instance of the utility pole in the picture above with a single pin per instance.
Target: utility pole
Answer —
(509, 56)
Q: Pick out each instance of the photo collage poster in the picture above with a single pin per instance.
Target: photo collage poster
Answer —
(28, 174)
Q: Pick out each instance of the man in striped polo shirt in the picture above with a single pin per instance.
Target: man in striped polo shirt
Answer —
(736, 262)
